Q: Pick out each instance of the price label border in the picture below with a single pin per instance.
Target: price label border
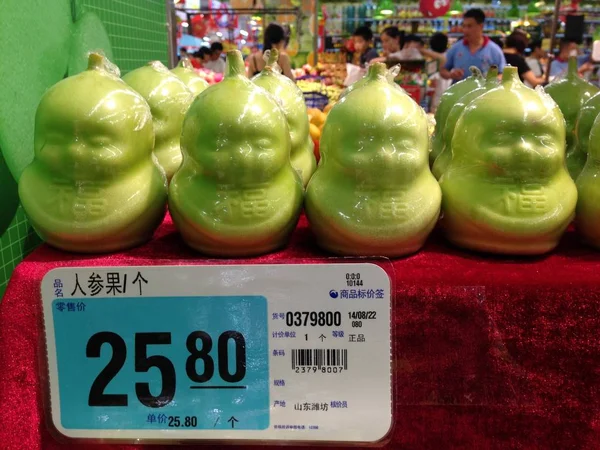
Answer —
(50, 386)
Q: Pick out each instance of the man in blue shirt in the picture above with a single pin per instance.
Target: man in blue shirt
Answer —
(475, 49)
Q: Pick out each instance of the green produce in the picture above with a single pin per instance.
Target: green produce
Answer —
(442, 161)
(169, 100)
(448, 100)
(186, 73)
(585, 120)
(391, 75)
(570, 93)
(93, 185)
(292, 102)
(373, 193)
(506, 189)
(588, 188)
(236, 193)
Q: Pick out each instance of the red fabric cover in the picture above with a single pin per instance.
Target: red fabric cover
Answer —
(488, 352)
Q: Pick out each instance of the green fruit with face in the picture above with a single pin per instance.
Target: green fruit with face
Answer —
(506, 189)
(236, 193)
(585, 121)
(373, 193)
(570, 94)
(169, 100)
(93, 185)
(186, 73)
(448, 100)
(588, 188)
(441, 163)
(291, 100)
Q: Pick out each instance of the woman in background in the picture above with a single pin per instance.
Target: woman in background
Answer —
(274, 39)
(514, 49)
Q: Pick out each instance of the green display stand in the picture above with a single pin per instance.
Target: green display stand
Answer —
(61, 32)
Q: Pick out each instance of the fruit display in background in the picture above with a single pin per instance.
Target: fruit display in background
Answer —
(186, 73)
(585, 121)
(570, 93)
(373, 192)
(441, 162)
(291, 101)
(506, 189)
(169, 100)
(448, 100)
(93, 185)
(236, 193)
(588, 187)
(332, 92)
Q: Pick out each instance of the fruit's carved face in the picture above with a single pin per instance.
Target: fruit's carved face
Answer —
(383, 140)
(92, 126)
(169, 103)
(523, 144)
(240, 140)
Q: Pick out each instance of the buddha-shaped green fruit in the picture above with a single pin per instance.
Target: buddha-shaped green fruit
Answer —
(585, 120)
(169, 100)
(291, 100)
(373, 192)
(588, 187)
(506, 189)
(448, 100)
(236, 193)
(186, 73)
(392, 73)
(570, 94)
(442, 161)
(93, 185)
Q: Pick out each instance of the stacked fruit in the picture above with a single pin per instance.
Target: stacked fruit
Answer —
(317, 119)
(332, 92)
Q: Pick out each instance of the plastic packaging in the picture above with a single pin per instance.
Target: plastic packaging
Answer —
(441, 163)
(570, 93)
(585, 120)
(373, 192)
(169, 100)
(588, 188)
(186, 73)
(448, 100)
(93, 185)
(506, 189)
(236, 193)
(291, 100)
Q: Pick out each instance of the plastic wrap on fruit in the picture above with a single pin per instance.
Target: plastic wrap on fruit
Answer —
(391, 76)
(236, 193)
(373, 192)
(442, 161)
(585, 120)
(93, 185)
(506, 189)
(169, 100)
(291, 100)
(448, 100)
(588, 187)
(186, 73)
(570, 93)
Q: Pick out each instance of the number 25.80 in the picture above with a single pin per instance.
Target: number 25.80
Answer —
(143, 363)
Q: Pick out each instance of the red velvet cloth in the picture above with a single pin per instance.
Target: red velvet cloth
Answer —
(488, 352)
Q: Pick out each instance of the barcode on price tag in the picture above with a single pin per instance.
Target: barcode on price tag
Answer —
(319, 358)
(197, 353)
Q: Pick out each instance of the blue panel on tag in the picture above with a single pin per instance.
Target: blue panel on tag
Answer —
(163, 363)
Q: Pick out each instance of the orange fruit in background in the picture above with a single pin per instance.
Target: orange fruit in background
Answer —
(317, 117)
(329, 107)
(315, 132)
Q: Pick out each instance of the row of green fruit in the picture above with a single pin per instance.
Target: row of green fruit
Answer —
(237, 155)
(501, 152)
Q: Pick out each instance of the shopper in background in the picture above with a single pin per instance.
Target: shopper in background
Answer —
(437, 53)
(514, 49)
(475, 49)
(560, 64)
(215, 62)
(183, 53)
(274, 37)
(363, 45)
(392, 41)
(537, 59)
